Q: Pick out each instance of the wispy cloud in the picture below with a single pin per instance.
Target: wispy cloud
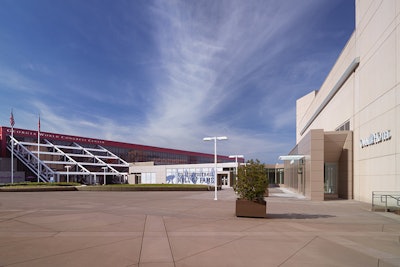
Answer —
(14, 80)
(166, 73)
(210, 56)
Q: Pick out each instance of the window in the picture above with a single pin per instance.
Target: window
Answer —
(344, 127)
(148, 178)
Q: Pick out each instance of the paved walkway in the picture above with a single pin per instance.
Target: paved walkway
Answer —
(190, 229)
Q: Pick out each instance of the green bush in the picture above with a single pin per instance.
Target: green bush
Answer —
(252, 181)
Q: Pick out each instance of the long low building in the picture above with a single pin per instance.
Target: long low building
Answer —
(348, 131)
(61, 157)
(197, 174)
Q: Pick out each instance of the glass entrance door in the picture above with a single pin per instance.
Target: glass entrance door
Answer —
(330, 179)
(223, 179)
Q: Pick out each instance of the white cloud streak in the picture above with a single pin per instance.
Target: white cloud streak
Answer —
(11, 80)
(207, 49)
(219, 68)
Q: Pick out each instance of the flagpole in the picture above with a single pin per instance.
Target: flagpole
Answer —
(12, 154)
(12, 122)
(38, 151)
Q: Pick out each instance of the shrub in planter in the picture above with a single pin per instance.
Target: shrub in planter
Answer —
(251, 185)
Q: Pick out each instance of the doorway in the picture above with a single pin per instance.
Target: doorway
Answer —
(224, 179)
(301, 185)
(330, 178)
(138, 178)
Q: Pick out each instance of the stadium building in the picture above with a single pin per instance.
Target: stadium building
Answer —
(347, 137)
(59, 157)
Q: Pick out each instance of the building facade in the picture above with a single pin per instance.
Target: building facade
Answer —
(348, 131)
(196, 174)
(127, 151)
(62, 157)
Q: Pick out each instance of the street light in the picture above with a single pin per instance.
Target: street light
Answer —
(236, 161)
(215, 138)
(104, 170)
(67, 167)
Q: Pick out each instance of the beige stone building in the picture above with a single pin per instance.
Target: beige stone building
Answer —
(348, 131)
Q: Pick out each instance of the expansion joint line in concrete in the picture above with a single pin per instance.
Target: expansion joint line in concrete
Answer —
(373, 252)
(141, 243)
(66, 252)
(297, 251)
(252, 227)
(169, 243)
(156, 246)
(20, 215)
(212, 248)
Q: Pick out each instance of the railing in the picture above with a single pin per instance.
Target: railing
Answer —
(385, 200)
(30, 160)
(28, 154)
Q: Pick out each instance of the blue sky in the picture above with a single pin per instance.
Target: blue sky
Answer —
(168, 73)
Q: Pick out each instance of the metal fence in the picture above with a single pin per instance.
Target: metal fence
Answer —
(389, 201)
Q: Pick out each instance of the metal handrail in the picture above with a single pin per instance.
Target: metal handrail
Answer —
(31, 160)
(384, 198)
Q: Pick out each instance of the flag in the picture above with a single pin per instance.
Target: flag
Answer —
(12, 121)
(39, 124)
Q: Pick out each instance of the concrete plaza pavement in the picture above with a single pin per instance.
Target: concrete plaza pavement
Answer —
(190, 229)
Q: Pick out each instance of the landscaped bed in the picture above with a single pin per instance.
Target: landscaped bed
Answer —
(143, 187)
(39, 187)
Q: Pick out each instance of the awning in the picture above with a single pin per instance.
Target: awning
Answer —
(291, 157)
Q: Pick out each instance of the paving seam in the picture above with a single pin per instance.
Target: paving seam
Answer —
(212, 248)
(378, 254)
(19, 215)
(141, 243)
(169, 243)
(251, 227)
(297, 251)
(152, 237)
(200, 223)
(45, 229)
(67, 252)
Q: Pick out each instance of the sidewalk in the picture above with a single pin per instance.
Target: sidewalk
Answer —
(190, 229)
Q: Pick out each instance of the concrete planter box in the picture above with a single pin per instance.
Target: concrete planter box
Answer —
(247, 208)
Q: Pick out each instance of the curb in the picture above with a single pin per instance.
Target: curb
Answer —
(141, 188)
(100, 188)
(37, 189)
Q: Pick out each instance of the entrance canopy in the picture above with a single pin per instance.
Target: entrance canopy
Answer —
(291, 157)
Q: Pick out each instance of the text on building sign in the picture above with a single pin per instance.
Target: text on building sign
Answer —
(375, 138)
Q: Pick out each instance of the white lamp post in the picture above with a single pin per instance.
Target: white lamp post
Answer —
(67, 167)
(236, 161)
(215, 138)
(104, 170)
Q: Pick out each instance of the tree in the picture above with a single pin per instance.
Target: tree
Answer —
(252, 181)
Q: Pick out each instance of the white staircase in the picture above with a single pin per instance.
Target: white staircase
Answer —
(72, 162)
